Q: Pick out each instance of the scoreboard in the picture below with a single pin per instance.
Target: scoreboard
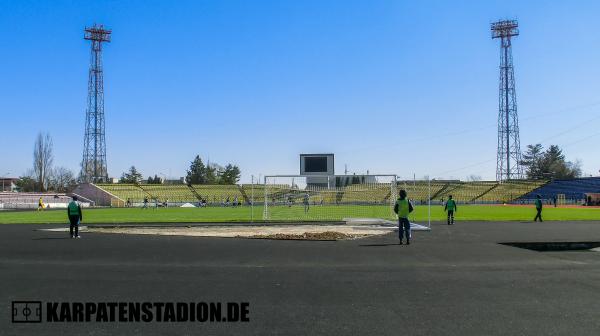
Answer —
(317, 164)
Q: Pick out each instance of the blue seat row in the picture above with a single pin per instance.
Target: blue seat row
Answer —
(572, 189)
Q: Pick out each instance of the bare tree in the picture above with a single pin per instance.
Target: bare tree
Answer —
(42, 159)
(61, 180)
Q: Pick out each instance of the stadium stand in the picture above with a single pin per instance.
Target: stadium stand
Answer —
(509, 191)
(374, 194)
(574, 190)
(125, 191)
(256, 190)
(217, 194)
(469, 192)
(418, 191)
(172, 193)
(26, 200)
(466, 192)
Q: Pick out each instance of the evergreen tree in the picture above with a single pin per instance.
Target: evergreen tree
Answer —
(230, 174)
(549, 164)
(532, 160)
(26, 184)
(197, 172)
(132, 176)
(212, 175)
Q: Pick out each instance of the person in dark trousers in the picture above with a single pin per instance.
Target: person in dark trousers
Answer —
(451, 209)
(75, 216)
(403, 207)
(306, 202)
(538, 207)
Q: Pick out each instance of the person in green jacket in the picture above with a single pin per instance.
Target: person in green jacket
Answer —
(538, 208)
(451, 209)
(75, 216)
(403, 207)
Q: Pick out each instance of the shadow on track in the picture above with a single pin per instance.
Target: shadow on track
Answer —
(374, 245)
(48, 238)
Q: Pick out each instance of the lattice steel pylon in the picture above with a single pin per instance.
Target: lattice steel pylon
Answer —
(508, 164)
(93, 165)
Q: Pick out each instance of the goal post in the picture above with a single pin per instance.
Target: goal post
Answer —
(561, 199)
(330, 197)
(420, 192)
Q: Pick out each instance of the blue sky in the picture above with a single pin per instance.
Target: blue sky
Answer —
(388, 86)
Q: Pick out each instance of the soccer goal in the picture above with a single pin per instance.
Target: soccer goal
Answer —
(330, 198)
(561, 199)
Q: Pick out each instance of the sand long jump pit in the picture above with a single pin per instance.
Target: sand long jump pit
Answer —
(305, 231)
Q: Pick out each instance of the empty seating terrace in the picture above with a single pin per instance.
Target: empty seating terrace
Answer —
(574, 189)
(377, 193)
(218, 193)
(11, 200)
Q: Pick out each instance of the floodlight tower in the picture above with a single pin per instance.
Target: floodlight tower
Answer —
(93, 166)
(508, 164)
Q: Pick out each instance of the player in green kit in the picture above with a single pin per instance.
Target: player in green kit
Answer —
(75, 216)
(451, 209)
(403, 207)
(538, 208)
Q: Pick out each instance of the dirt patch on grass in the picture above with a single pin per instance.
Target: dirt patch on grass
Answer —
(291, 232)
(328, 235)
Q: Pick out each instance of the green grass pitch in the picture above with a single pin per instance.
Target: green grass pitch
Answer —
(284, 213)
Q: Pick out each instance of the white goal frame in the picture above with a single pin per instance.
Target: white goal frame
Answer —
(392, 179)
(328, 186)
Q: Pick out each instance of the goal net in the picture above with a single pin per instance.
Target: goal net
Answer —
(329, 197)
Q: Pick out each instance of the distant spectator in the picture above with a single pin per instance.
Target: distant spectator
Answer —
(40, 204)
(450, 208)
(402, 208)
(306, 202)
(145, 203)
(75, 217)
(538, 208)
